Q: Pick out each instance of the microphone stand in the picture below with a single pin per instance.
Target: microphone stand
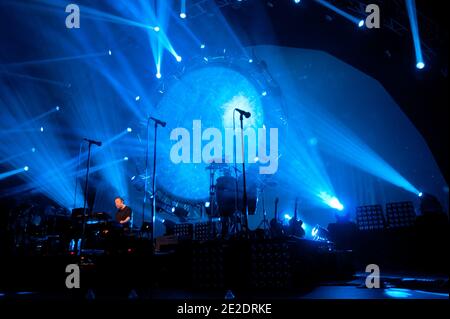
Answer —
(153, 211)
(244, 199)
(86, 195)
(145, 180)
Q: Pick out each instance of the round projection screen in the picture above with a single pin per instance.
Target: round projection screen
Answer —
(207, 95)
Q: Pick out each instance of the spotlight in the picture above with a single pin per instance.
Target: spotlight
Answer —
(178, 58)
(26, 168)
(125, 158)
(287, 217)
(331, 201)
(207, 204)
(133, 177)
(420, 65)
(361, 23)
(137, 98)
(319, 233)
(264, 93)
(33, 149)
(173, 209)
(158, 75)
(250, 60)
(256, 159)
(57, 108)
(296, 1)
(183, 15)
(129, 130)
(202, 46)
(42, 129)
(420, 194)
(334, 203)
(109, 52)
(156, 29)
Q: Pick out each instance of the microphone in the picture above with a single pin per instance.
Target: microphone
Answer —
(242, 112)
(93, 142)
(163, 124)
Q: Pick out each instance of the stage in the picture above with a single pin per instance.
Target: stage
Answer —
(223, 150)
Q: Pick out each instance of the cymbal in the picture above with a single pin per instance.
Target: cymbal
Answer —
(214, 165)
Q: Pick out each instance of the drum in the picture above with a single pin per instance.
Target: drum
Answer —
(225, 195)
(226, 192)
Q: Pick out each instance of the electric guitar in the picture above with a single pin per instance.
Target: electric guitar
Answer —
(295, 225)
(276, 228)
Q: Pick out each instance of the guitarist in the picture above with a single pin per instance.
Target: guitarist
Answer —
(295, 225)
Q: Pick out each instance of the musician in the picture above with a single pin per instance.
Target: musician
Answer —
(123, 214)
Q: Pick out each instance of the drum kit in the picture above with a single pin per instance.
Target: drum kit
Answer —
(226, 192)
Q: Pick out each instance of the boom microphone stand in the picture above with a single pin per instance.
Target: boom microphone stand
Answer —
(244, 196)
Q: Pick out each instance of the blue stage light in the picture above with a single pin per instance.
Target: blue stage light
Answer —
(125, 158)
(297, 1)
(202, 46)
(137, 98)
(57, 108)
(207, 204)
(287, 217)
(129, 129)
(413, 21)
(173, 209)
(339, 11)
(109, 52)
(178, 58)
(264, 93)
(158, 75)
(420, 194)
(33, 149)
(183, 9)
(331, 201)
(250, 60)
(156, 29)
(26, 168)
(361, 23)
(42, 129)
(397, 292)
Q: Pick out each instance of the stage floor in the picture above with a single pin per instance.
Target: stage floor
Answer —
(394, 286)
